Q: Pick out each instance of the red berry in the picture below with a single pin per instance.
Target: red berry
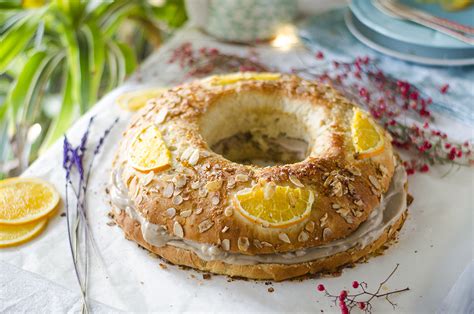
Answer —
(424, 168)
(355, 284)
(363, 92)
(320, 287)
(344, 310)
(361, 305)
(459, 154)
(342, 295)
(447, 145)
(466, 144)
(414, 96)
(410, 171)
(319, 55)
(444, 89)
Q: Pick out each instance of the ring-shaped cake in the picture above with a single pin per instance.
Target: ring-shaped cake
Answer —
(257, 175)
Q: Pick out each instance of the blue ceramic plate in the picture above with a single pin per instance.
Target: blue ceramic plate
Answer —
(465, 16)
(412, 33)
(407, 51)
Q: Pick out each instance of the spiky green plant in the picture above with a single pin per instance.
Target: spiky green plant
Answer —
(69, 50)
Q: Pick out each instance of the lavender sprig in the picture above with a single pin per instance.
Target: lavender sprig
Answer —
(77, 223)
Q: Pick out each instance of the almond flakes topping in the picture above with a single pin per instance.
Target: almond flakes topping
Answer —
(309, 226)
(303, 236)
(373, 180)
(168, 190)
(284, 237)
(295, 181)
(186, 213)
(205, 225)
(178, 230)
(214, 186)
(225, 244)
(171, 212)
(243, 243)
(327, 232)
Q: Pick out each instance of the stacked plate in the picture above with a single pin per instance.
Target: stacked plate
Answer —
(407, 40)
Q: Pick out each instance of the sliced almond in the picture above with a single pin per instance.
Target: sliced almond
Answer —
(171, 212)
(309, 226)
(295, 181)
(215, 200)
(323, 220)
(161, 115)
(214, 185)
(327, 232)
(257, 243)
(284, 237)
(225, 244)
(241, 177)
(146, 179)
(303, 236)
(178, 229)
(373, 180)
(186, 213)
(178, 199)
(187, 153)
(168, 190)
(180, 180)
(195, 185)
(205, 225)
(243, 243)
(228, 211)
(194, 158)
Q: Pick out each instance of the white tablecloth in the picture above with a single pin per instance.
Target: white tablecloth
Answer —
(434, 246)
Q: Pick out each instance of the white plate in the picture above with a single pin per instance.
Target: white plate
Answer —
(378, 46)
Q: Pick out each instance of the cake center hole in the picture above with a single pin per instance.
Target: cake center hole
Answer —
(254, 147)
(261, 129)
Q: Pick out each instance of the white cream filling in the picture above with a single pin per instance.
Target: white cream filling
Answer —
(391, 207)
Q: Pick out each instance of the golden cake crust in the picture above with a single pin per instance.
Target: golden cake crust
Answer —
(347, 189)
(277, 272)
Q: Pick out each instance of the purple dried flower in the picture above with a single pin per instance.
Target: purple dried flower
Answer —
(104, 136)
(67, 162)
(77, 159)
(85, 136)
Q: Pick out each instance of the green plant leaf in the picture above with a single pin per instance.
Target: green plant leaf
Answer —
(119, 60)
(111, 70)
(32, 109)
(129, 57)
(111, 16)
(64, 119)
(23, 87)
(74, 65)
(85, 65)
(172, 12)
(96, 52)
(15, 40)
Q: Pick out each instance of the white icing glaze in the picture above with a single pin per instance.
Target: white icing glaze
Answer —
(391, 207)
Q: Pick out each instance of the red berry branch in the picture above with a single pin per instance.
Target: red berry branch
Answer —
(207, 61)
(401, 107)
(361, 298)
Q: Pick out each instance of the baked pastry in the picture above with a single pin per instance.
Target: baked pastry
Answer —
(264, 176)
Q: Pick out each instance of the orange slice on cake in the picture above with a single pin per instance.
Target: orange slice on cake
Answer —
(148, 151)
(367, 136)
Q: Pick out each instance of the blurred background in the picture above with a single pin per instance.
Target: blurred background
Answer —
(58, 57)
